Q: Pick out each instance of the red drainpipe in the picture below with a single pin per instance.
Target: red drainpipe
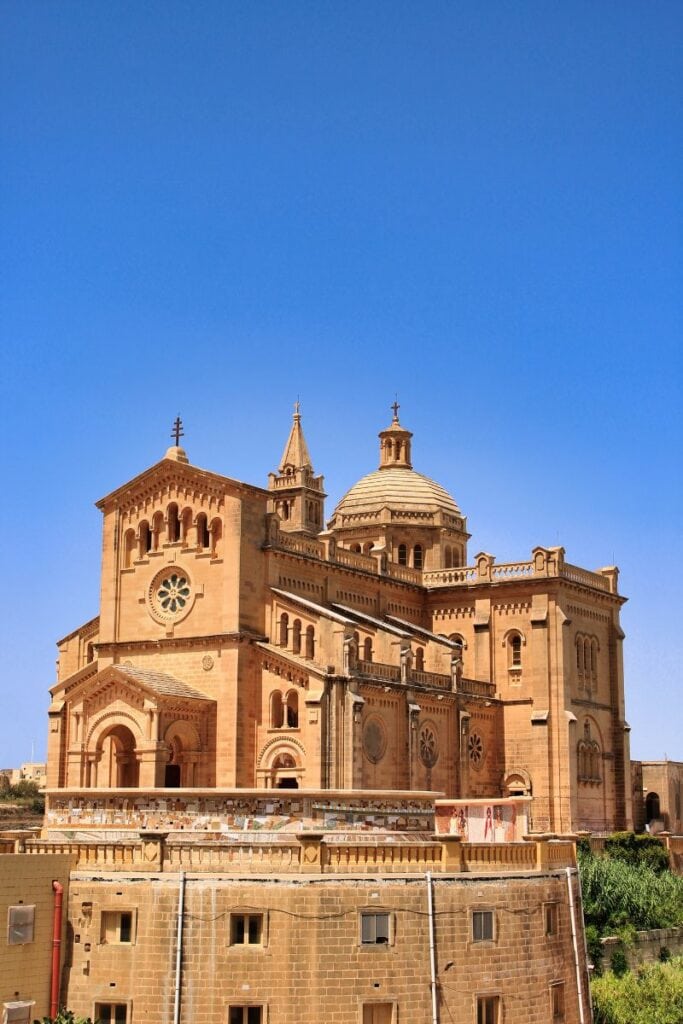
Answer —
(56, 947)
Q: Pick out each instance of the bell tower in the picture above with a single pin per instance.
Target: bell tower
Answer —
(297, 493)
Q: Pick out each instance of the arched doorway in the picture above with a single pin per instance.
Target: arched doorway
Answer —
(119, 767)
(652, 811)
(284, 772)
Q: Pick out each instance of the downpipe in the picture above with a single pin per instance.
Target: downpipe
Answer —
(57, 915)
(432, 948)
(575, 944)
(179, 949)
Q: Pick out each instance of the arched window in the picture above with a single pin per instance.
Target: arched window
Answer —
(186, 526)
(173, 523)
(203, 539)
(589, 757)
(402, 554)
(587, 656)
(292, 709)
(284, 629)
(128, 548)
(90, 653)
(367, 547)
(157, 530)
(284, 509)
(515, 650)
(448, 557)
(296, 636)
(310, 642)
(420, 659)
(579, 654)
(216, 534)
(367, 649)
(145, 538)
(277, 714)
(355, 548)
(594, 657)
(457, 557)
(418, 556)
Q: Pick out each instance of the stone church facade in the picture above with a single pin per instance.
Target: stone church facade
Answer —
(242, 643)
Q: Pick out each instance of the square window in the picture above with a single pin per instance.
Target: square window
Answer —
(557, 1001)
(245, 1015)
(488, 1009)
(482, 926)
(374, 929)
(117, 926)
(20, 922)
(246, 929)
(111, 1013)
(20, 1012)
(550, 914)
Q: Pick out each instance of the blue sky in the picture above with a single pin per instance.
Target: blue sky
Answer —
(211, 208)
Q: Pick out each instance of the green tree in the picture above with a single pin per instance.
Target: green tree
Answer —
(651, 995)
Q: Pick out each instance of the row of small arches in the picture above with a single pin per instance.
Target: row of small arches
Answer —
(302, 641)
(284, 710)
(172, 527)
(588, 756)
(285, 509)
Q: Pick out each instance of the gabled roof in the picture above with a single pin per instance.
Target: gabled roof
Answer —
(156, 684)
(166, 465)
(159, 682)
(420, 631)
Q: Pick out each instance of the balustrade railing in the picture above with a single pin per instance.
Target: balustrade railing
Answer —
(477, 688)
(379, 670)
(300, 545)
(583, 576)
(443, 682)
(354, 560)
(404, 573)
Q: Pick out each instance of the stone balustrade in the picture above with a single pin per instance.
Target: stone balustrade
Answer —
(477, 688)
(311, 853)
(354, 560)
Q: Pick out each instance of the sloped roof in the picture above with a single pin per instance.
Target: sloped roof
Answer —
(159, 682)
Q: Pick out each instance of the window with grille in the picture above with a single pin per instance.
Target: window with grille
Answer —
(482, 925)
(550, 911)
(245, 1015)
(20, 922)
(246, 929)
(374, 929)
(111, 1013)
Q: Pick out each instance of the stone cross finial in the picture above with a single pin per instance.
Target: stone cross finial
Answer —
(395, 408)
(177, 431)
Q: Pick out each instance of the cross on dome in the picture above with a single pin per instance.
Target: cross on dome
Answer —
(177, 431)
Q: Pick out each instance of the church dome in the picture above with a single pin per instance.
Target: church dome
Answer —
(399, 490)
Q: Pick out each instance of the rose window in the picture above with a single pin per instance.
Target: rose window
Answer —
(475, 748)
(429, 746)
(173, 593)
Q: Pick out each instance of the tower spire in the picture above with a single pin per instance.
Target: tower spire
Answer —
(296, 454)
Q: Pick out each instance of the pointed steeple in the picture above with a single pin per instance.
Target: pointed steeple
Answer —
(296, 455)
(298, 495)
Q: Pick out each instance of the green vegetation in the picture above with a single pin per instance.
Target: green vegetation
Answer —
(64, 1017)
(25, 796)
(622, 895)
(651, 995)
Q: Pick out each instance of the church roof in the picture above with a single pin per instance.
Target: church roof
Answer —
(159, 682)
(400, 489)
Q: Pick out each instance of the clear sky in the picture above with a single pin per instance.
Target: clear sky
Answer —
(209, 208)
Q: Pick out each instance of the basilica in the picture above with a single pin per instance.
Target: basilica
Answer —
(246, 641)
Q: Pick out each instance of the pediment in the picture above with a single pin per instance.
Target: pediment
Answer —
(170, 477)
(136, 686)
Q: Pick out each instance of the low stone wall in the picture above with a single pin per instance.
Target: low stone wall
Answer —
(648, 946)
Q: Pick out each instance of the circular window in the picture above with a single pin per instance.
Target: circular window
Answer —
(374, 740)
(475, 747)
(429, 745)
(170, 596)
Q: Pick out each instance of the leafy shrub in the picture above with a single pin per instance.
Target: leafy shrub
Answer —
(616, 894)
(618, 962)
(637, 849)
(651, 995)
